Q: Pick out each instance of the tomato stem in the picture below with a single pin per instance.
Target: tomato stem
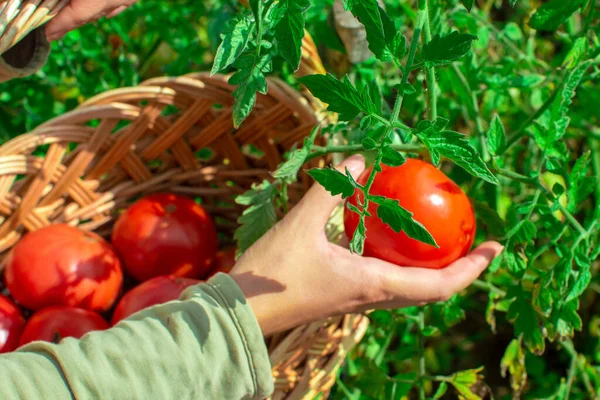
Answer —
(422, 371)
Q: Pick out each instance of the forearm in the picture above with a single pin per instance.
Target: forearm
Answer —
(205, 346)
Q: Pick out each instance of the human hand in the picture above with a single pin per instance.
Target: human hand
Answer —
(81, 12)
(293, 275)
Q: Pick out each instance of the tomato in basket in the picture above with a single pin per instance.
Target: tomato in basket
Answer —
(224, 261)
(63, 266)
(165, 234)
(12, 323)
(52, 324)
(159, 290)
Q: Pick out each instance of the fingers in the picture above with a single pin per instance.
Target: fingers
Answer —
(318, 204)
(464, 271)
(117, 11)
(79, 13)
(407, 286)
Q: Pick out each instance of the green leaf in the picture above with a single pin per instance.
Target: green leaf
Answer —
(468, 4)
(560, 108)
(526, 323)
(250, 79)
(234, 38)
(564, 321)
(288, 170)
(513, 361)
(496, 136)
(490, 218)
(465, 381)
(392, 157)
(577, 53)
(400, 219)
(372, 16)
(582, 281)
(357, 244)
(333, 181)
(341, 96)
(442, 50)
(290, 30)
(552, 14)
(580, 184)
(441, 390)
(259, 217)
(456, 147)
(398, 45)
(523, 232)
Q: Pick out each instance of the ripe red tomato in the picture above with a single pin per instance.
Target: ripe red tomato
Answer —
(64, 266)
(224, 262)
(158, 290)
(165, 234)
(436, 202)
(52, 324)
(12, 323)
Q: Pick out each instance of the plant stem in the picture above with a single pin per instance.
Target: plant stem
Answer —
(474, 111)
(512, 139)
(320, 151)
(431, 83)
(421, 372)
(421, 17)
(589, 18)
(488, 287)
(595, 149)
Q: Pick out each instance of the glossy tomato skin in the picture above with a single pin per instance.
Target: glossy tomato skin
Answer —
(165, 234)
(224, 261)
(52, 324)
(12, 323)
(62, 265)
(436, 202)
(159, 290)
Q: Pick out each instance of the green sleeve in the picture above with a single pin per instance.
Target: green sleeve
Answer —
(206, 346)
(26, 57)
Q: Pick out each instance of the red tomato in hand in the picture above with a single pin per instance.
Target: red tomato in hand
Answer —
(436, 202)
(165, 234)
(224, 262)
(52, 324)
(159, 290)
(64, 266)
(12, 323)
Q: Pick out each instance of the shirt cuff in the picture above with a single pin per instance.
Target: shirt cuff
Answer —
(229, 294)
(26, 57)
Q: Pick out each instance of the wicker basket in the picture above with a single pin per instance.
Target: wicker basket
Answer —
(19, 17)
(130, 142)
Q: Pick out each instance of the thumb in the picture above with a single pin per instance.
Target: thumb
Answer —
(318, 204)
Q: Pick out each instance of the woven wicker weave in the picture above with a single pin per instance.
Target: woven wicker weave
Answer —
(84, 166)
(19, 17)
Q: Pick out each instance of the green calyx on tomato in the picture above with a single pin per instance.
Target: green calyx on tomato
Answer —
(435, 201)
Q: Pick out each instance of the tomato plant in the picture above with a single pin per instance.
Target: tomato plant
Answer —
(435, 201)
(62, 265)
(165, 234)
(158, 290)
(53, 324)
(12, 323)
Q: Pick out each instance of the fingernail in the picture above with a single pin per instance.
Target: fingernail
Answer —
(354, 163)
